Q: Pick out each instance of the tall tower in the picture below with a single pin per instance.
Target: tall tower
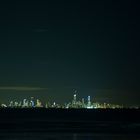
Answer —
(74, 98)
(89, 102)
(74, 101)
(88, 99)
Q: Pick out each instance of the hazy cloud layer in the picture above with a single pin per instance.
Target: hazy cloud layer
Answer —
(22, 88)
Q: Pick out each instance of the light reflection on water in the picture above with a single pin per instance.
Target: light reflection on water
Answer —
(67, 136)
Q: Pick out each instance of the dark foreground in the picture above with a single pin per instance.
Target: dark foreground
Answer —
(69, 124)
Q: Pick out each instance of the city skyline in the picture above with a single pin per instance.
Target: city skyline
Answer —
(98, 95)
(49, 49)
(75, 102)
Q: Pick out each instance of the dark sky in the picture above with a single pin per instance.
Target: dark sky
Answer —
(48, 49)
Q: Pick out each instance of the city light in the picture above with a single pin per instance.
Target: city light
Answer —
(36, 103)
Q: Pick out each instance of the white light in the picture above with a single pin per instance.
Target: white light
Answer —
(89, 107)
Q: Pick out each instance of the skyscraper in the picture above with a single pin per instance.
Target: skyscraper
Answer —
(89, 103)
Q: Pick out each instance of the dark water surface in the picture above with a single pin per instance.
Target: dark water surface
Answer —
(63, 124)
(67, 136)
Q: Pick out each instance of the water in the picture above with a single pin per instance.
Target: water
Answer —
(67, 136)
(55, 124)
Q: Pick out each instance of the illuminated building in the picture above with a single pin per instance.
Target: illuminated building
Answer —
(15, 104)
(83, 103)
(54, 104)
(74, 101)
(72, 104)
(38, 103)
(11, 104)
(25, 103)
(46, 105)
(3, 105)
(32, 104)
(74, 98)
(89, 103)
(20, 104)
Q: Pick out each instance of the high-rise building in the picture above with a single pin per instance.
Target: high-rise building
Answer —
(11, 104)
(74, 101)
(32, 104)
(74, 98)
(25, 103)
(83, 103)
(38, 103)
(89, 103)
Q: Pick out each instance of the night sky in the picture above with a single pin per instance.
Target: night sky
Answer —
(49, 49)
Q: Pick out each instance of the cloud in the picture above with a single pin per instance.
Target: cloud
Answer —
(21, 88)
